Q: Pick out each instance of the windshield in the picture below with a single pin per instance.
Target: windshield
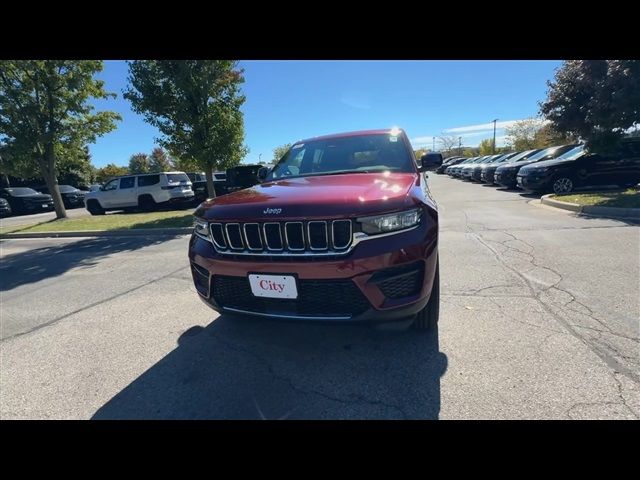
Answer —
(21, 191)
(543, 153)
(66, 188)
(572, 154)
(523, 156)
(355, 154)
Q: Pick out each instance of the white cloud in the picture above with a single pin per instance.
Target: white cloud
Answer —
(472, 133)
(484, 126)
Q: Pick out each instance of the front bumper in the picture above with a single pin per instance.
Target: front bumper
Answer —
(532, 183)
(506, 178)
(366, 285)
(39, 206)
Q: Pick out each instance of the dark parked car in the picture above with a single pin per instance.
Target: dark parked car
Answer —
(199, 185)
(476, 173)
(72, 197)
(488, 173)
(456, 169)
(579, 168)
(242, 176)
(467, 171)
(510, 171)
(5, 208)
(343, 228)
(26, 200)
(449, 162)
(505, 175)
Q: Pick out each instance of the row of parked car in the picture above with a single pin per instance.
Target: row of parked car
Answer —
(559, 169)
(25, 200)
(130, 192)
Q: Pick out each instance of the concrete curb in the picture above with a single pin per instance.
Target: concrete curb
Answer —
(103, 233)
(613, 212)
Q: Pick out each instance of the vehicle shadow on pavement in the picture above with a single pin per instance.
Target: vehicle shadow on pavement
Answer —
(246, 368)
(41, 263)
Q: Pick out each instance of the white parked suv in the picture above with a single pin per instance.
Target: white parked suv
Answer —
(145, 191)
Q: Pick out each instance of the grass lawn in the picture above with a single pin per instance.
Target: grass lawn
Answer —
(627, 199)
(112, 221)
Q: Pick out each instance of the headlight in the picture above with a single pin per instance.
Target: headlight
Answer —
(201, 229)
(391, 222)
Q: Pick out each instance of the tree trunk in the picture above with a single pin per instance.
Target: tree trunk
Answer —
(49, 174)
(209, 174)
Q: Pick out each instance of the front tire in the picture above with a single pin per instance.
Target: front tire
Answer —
(427, 318)
(562, 185)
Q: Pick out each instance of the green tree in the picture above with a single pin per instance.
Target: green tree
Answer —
(46, 105)
(419, 153)
(522, 134)
(486, 146)
(594, 100)
(547, 136)
(74, 166)
(279, 152)
(196, 106)
(468, 152)
(109, 171)
(184, 164)
(139, 163)
(159, 161)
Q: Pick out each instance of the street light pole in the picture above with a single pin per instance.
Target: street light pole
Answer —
(459, 145)
(494, 136)
(434, 144)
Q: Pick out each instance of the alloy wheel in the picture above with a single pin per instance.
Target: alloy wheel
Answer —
(562, 185)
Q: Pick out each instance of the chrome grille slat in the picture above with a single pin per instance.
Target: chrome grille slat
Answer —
(229, 242)
(326, 235)
(349, 236)
(246, 237)
(266, 237)
(288, 238)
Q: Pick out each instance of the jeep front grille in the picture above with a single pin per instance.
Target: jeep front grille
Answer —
(330, 237)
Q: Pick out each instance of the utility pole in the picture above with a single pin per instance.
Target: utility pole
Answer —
(460, 146)
(494, 136)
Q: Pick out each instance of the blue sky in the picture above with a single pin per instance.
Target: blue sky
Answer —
(291, 100)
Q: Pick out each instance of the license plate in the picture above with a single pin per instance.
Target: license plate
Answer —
(273, 286)
(44, 205)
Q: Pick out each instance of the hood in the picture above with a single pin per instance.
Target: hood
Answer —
(40, 197)
(327, 196)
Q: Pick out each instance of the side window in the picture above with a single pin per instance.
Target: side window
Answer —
(112, 185)
(147, 180)
(127, 182)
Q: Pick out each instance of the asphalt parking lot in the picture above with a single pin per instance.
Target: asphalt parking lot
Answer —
(41, 217)
(539, 320)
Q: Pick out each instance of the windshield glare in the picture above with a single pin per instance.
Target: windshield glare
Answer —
(357, 154)
(21, 191)
(522, 156)
(572, 154)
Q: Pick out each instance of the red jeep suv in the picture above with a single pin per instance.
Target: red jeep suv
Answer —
(343, 228)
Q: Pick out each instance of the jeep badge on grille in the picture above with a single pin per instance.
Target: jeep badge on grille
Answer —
(272, 211)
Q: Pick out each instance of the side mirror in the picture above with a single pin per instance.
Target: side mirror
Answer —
(262, 173)
(430, 161)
